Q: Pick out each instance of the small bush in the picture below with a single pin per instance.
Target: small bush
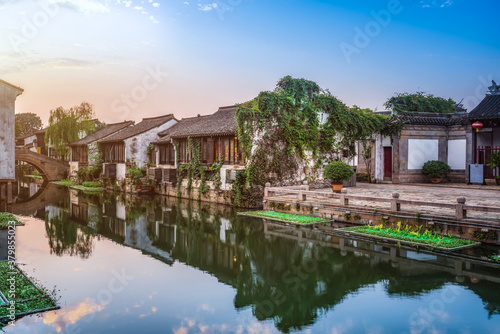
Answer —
(435, 168)
(338, 171)
(89, 184)
(494, 160)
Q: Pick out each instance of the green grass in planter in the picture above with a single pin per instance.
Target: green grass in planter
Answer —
(495, 257)
(65, 183)
(28, 298)
(286, 217)
(412, 234)
(6, 217)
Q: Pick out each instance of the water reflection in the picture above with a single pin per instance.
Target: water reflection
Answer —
(293, 277)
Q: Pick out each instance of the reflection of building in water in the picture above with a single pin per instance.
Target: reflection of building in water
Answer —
(289, 275)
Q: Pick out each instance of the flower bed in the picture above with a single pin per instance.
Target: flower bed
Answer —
(28, 297)
(285, 217)
(412, 235)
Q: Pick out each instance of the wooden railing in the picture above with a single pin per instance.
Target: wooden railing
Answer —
(482, 155)
(302, 194)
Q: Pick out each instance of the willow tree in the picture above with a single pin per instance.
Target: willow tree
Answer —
(284, 140)
(67, 126)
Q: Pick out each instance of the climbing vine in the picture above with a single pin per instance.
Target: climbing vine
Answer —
(283, 137)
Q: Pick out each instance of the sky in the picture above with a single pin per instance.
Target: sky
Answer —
(135, 59)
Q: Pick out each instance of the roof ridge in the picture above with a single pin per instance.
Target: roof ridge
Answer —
(228, 107)
(156, 117)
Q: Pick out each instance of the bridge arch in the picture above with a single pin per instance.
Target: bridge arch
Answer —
(52, 169)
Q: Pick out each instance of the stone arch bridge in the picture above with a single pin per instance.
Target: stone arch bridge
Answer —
(52, 169)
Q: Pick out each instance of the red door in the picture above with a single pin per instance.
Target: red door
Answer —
(387, 163)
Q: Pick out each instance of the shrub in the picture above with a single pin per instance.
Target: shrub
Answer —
(338, 171)
(136, 173)
(494, 160)
(435, 168)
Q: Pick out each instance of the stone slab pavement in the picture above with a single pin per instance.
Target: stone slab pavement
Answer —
(440, 193)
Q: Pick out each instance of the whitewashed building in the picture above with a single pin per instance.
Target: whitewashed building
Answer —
(130, 146)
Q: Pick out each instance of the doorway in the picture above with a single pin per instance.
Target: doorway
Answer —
(387, 163)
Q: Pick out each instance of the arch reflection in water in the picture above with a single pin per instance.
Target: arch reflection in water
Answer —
(288, 275)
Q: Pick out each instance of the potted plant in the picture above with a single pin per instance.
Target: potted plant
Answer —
(338, 172)
(494, 162)
(437, 170)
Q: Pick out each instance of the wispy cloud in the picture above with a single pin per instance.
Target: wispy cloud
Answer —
(207, 7)
(436, 3)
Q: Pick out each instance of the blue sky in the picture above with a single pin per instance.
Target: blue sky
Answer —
(135, 59)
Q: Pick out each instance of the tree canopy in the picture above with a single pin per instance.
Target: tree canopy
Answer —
(27, 123)
(69, 125)
(420, 102)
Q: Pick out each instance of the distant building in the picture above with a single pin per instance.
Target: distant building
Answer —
(130, 145)
(34, 142)
(217, 134)
(83, 150)
(487, 139)
(8, 96)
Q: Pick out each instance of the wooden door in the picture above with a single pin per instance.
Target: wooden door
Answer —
(387, 163)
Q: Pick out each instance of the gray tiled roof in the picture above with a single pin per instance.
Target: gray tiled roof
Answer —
(218, 124)
(434, 119)
(110, 129)
(146, 125)
(488, 108)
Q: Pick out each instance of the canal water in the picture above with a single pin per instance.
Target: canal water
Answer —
(160, 265)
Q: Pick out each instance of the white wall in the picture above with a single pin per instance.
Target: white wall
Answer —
(8, 95)
(136, 147)
(457, 151)
(73, 168)
(420, 151)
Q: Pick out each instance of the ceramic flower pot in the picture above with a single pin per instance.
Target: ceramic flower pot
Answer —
(337, 187)
(436, 179)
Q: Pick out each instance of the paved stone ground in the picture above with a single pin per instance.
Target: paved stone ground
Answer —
(441, 193)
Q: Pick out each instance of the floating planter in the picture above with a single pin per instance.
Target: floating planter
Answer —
(285, 217)
(408, 235)
(8, 219)
(22, 297)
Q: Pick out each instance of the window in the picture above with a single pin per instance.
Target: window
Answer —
(114, 152)
(80, 154)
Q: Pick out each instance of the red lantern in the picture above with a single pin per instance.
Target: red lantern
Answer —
(477, 125)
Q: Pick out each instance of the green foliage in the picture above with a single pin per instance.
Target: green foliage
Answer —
(338, 171)
(27, 123)
(285, 217)
(215, 168)
(412, 235)
(65, 126)
(281, 130)
(89, 184)
(435, 168)
(136, 173)
(420, 102)
(27, 297)
(494, 160)
(6, 217)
